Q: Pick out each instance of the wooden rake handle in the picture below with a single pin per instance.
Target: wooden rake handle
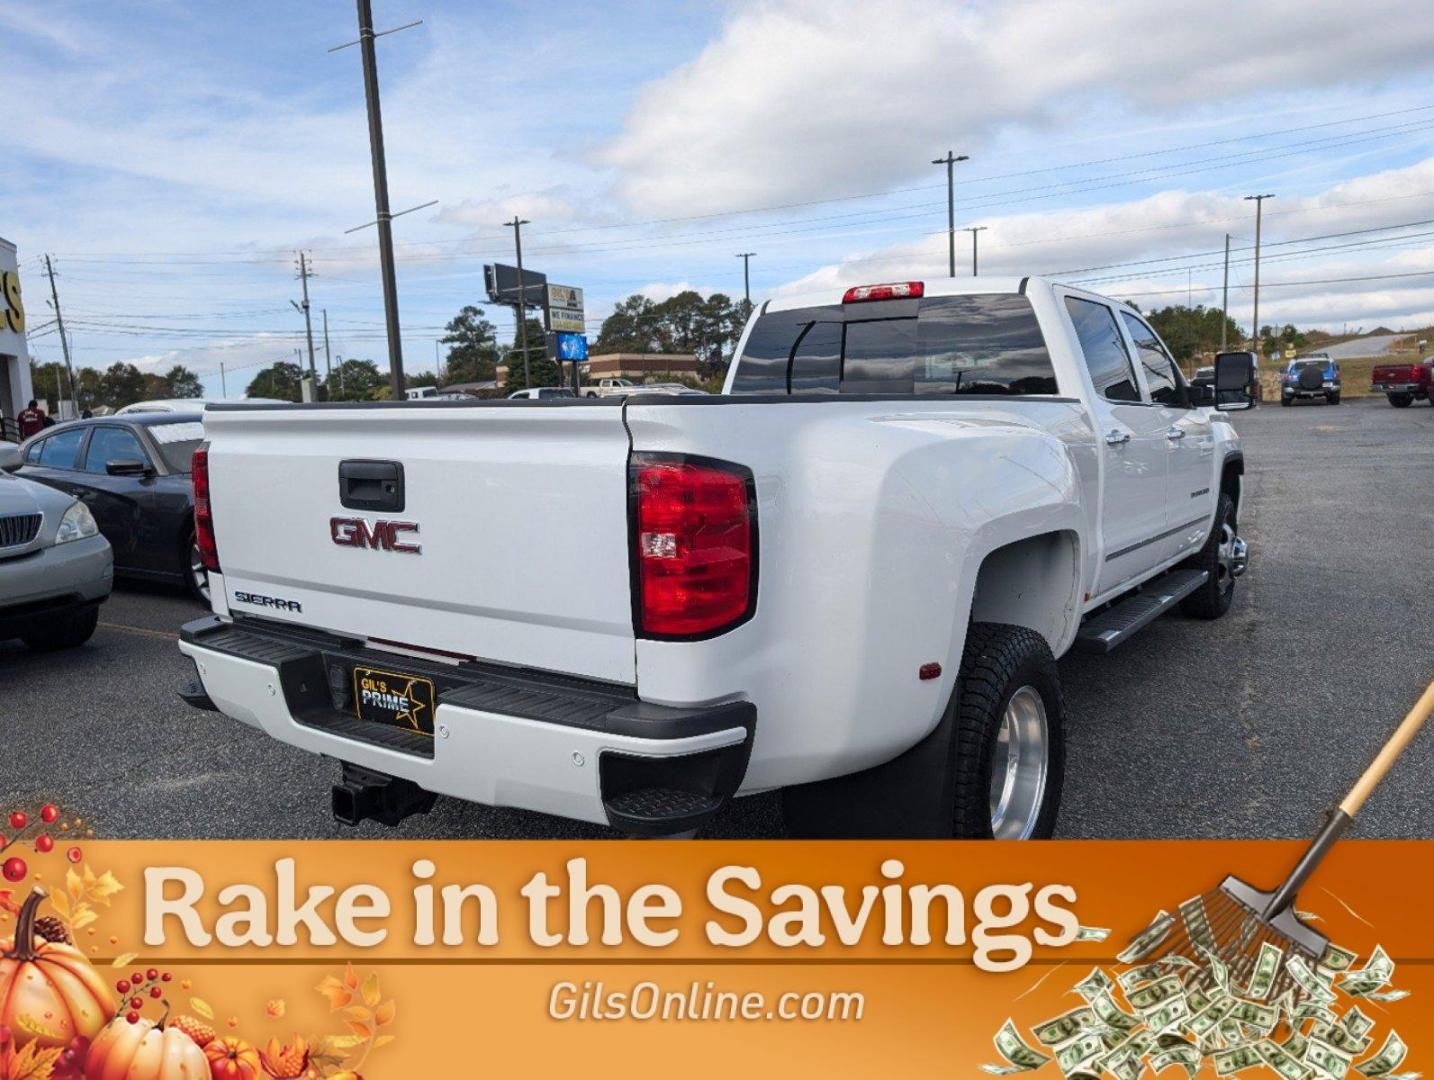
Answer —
(1390, 752)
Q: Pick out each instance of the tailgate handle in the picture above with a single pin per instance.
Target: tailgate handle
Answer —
(371, 485)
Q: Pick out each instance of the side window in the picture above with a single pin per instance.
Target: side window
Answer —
(32, 455)
(816, 364)
(1105, 355)
(112, 444)
(1160, 373)
(60, 449)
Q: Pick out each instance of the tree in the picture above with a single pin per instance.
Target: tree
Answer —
(632, 327)
(540, 370)
(183, 383)
(279, 380)
(358, 380)
(685, 323)
(472, 347)
(1189, 332)
(121, 384)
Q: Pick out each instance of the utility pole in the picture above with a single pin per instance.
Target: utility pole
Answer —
(60, 325)
(328, 364)
(949, 160)
(223, 386)
(308, 322)
(1259, 201)
(746, 257)
(1225, 297)
(380, 199)
(517, 226)
(973, 230)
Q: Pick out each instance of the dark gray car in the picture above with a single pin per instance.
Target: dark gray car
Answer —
(55, 567)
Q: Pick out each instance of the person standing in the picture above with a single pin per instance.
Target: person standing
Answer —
(31, 419)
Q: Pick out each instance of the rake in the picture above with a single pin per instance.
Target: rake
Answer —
(1235, 920)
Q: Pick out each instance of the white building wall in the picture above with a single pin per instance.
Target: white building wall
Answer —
(15, 389)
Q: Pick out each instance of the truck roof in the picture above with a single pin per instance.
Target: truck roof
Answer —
(934, 286)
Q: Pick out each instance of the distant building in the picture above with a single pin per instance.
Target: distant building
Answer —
(15, 388)
(639, 367)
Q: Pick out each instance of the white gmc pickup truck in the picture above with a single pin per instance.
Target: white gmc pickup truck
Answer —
(847, 577)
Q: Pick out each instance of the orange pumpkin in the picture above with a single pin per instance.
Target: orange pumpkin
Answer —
(231, 1058)
(144, 1051)
(49, 993)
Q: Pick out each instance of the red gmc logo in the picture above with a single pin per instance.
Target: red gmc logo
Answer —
(379, 535)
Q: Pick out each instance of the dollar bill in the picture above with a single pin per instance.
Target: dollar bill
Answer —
(1151, 996)
(1295, 1044)
(1020, 1056)
(1387, 995)
(1217, 969)
(1313, 1010)
(1186, 1056)
(1092, 933)
(1259, 1016)
(1329, 1060)
(1308, 981)
(1391, 1055)
(1063, 1028)
(1197, 923)
(1168, 1015)
(1236, 1059)
(1094, 984)
(1336, 959)
(1340, 1037)
(1197, 999)
(1112, 1015)
(1281, 1060)
(1267, 966)
(1144, 973)
(1355, 1022)
(1149, 939)
(1071, 1057)
(1208, 1019)
(1375, 974)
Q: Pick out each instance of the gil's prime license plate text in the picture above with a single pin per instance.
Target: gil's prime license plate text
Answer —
(395, 699)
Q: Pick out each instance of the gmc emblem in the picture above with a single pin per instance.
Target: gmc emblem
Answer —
(379, 535)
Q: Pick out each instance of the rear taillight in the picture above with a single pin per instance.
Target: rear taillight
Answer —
(896, 290)
(203, 515)
(694, 537)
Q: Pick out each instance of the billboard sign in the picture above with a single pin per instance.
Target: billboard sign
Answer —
(572, 347)
(565, 309)
(501, 281)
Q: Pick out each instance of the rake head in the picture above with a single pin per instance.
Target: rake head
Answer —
(1232, 923)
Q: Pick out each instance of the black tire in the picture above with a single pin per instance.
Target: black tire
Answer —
(1214, 598)
(998, 661)
(1400, 401)
(65, 632)
(187, 553)
(1333, 399)
(1285, 401)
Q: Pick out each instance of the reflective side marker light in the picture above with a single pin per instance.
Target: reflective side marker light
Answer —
(929, 671)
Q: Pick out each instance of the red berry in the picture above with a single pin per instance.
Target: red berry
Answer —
(48, 813)
(74, 854)
(166, 977)
(155, 991)
(137, 978)
(19, 819)
(132, 1017)
(14, 869)
(44, 843)
(152, 974)
(136, 1003)
(122, 986)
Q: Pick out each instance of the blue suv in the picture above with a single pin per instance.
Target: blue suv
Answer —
(1312, 376)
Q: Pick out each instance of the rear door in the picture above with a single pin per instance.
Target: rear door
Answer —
(504, 538)
(1133, 442)
(118, 502)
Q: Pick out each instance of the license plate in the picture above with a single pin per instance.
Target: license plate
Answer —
(395, 699)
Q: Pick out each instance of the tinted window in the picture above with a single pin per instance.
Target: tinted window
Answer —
(977, 344)
(60, 449)
(112, 444)
(177, 443)
(1160, 373)
(1105, 356)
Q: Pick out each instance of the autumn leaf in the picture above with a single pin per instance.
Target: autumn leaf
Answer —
(335, 1043)
(384, 1014)
(383, 1040)
(363, 1031)
(351, 979)
(103, 888)
(359, 1013)
(123, 960)
(202, 1007)
(371, 994)
(61, 903)
(34, 1063)
(338, 994)
(7, 902)
(74, 885)
(84, 915)
(276, 1008)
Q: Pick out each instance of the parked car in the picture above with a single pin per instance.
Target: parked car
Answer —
(610, 388)
(542, 393)
(847, 577)
(672, 389)
(183, 405)
(1310, 377)
(132, 472)
(55, 567)
(1403, 384)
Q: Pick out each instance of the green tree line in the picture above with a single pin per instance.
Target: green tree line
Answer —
(116, 386)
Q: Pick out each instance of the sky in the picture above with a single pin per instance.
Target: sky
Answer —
(173, 157)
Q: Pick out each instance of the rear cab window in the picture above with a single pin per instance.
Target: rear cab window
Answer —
(980, 343)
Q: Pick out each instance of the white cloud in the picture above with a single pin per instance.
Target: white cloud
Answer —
(804, 98)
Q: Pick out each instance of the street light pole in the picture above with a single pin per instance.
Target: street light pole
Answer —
(949, 160)
(746, 257)
(517, 226)
(1259, 201)
(1225, 297)
(973, 230)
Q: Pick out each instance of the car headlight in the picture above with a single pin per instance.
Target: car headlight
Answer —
(77, 524)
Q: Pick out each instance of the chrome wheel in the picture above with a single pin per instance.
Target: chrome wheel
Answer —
(1231, 556)
(198, 576)
(1019, 763)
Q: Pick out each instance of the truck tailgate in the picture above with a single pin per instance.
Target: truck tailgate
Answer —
(519, 519)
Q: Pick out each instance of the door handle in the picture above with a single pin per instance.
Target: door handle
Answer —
(1175, 433)
(1115, 438)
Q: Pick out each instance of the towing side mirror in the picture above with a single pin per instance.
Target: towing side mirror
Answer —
(1235, 380)
(1200, 394)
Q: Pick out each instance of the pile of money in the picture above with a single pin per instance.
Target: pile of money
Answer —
(1300, 1018)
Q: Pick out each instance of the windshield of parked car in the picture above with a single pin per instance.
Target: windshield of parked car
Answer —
(177, 443)
(983, 343)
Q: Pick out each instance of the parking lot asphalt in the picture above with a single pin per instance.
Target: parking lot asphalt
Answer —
(1247, 727)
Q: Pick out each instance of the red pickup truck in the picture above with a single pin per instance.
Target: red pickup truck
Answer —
(1404, 383)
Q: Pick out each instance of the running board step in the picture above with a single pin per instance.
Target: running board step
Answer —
(1117, 624)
